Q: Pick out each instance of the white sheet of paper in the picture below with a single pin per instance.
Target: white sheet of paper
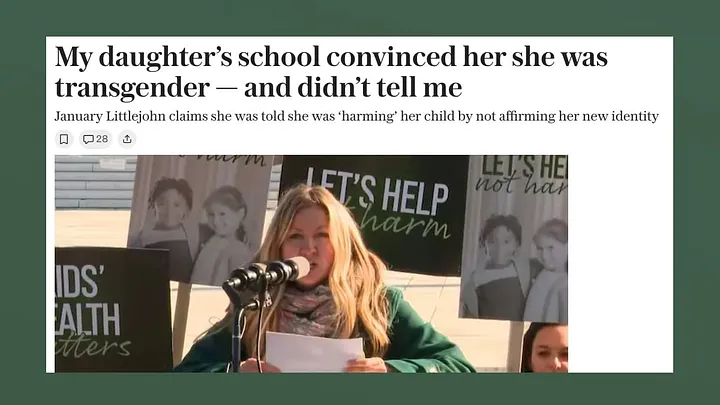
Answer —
(306, 354)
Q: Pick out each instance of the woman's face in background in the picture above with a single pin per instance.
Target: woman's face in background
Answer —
(552, 253)
(224, 221)
(550, 350)
(500, 246)
(170, 209)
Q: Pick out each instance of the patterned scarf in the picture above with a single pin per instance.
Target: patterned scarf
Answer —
(307, 312)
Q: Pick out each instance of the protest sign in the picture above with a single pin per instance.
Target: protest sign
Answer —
(515, 253)
(112, 310)
(207, 210)
(410, 208)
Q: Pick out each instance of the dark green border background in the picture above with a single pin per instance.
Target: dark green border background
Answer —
(25, 23)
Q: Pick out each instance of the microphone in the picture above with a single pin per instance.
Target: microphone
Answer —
(275, 273)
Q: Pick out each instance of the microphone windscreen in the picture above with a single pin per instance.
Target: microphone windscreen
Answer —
(303, 266)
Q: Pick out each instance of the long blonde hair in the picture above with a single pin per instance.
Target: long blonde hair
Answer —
(355, 279)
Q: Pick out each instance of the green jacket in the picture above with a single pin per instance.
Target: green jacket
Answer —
(415, 346)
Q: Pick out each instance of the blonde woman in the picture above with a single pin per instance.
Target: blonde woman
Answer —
(342, 296)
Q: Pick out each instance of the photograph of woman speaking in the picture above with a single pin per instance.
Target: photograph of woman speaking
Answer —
(343, 296)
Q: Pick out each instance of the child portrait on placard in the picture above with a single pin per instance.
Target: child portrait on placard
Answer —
(192, 206)
(169, 204)
(224, 246)
(515, 247)
(501, 279)
(547, 300)
(507, 286)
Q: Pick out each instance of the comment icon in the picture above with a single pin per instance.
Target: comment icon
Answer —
(99, 139)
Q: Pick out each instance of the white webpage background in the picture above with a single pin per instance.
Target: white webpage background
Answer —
(620, 206)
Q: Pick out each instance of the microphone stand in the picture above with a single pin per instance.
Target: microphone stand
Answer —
(243, 301)
(262, 288)
(240, 303)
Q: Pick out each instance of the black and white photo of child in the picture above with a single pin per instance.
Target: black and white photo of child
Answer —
(225, 246)
(191, 206)
(501, 280)
(515, 244)
(170, 203)
(547, 300)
